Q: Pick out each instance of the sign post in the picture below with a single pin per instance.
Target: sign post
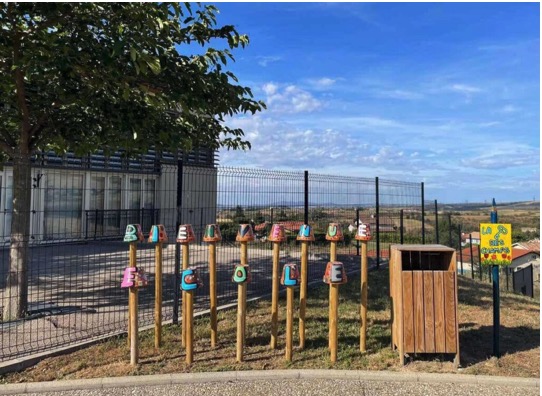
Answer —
(334, 234)
(290, 279)
(212, 236)
(158, 236)
(363, 235)
(241, 276)
(495, 250)
(334, 276)
(305, 235)
(190, 281)
(133, 279)
(277, 236)
(185, 235)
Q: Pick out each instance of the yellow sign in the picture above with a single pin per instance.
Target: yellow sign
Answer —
(496, 244)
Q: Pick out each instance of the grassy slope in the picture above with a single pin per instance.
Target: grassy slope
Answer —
(520, 335)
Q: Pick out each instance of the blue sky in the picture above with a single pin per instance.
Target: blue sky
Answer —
(445, 94)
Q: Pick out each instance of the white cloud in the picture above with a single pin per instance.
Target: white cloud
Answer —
(265, 60)
(270, 88)
(290, 99)
(322, 83)
(508, 109)
(400, 94)
(464, 88)
(503, 156)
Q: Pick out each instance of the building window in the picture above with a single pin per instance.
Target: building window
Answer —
(114, 202)
(63, 206)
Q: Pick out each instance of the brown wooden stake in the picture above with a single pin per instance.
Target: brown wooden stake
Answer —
(332, 257)
(241, 307)
(185, 263)
(289, 322)
(241, 315)
(189, 331)
(212, 291)
(363, 309)
(275, 295)
(333, 317)
(303, 293)
(158, 296)
(244, 253)
(132, 309)
(333, 251)
(132, 263)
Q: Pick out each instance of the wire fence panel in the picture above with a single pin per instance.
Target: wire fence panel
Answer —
(80, 209)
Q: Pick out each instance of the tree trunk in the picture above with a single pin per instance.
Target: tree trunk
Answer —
(16, 294)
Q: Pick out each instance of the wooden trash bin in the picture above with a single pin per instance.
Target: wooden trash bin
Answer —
(423, 290)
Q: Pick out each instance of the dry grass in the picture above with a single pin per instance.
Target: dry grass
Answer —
(520, 334)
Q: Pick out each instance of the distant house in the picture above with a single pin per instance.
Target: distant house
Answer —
(520, 258)
(466, 238)
(384, 224)
(464, 258)
(527, 253)
(532, 245)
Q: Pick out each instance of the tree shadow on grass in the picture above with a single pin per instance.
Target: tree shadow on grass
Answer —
(476, 344)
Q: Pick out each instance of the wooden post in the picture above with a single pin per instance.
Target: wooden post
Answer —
(189, 330)
(158, 296)
(275, 295)
(132, 309)
(289, 322)
(303, 293)
(185, 255)
(332, 257)
(132, 256)
(363, 309)
(333, 317)
(241, 307)
(212, 291)
(241, 315)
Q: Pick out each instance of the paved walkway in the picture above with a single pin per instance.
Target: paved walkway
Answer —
(287, 383)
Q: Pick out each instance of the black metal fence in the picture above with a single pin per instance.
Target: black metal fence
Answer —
(460, 230)
(78, 217)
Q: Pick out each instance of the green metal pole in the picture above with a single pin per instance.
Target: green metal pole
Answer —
(496, 295)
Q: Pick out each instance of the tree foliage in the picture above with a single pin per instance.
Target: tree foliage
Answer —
(82, 76)
(85, 76)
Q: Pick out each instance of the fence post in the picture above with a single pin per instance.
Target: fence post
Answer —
(423, 215)
(177, 263)
(460, 250)
(402, 226)
(86, 224)
(436, 222)
(377, 224)
(95, 223)
(472, 257)
(357, 223)
(532, 281)
(450, 232)
(306, 213)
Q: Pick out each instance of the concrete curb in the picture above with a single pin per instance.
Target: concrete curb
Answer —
(275, 375)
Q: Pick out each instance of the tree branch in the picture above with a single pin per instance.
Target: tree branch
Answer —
(6, 148)
(36, 130)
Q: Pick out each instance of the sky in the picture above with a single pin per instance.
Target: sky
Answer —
(442, 93)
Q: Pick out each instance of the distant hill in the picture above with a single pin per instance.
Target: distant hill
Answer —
(525, 205)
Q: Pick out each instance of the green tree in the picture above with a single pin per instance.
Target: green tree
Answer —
(239, 215)
(81, 76)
